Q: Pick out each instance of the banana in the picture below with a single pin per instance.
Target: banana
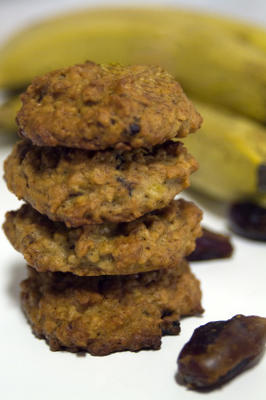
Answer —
(231, 151)
(260, 200)
(8, 111)
(217, 60)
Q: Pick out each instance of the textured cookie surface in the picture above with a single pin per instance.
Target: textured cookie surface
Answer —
(92, 106)
(156, 240)
(80, 187)
(102, 315)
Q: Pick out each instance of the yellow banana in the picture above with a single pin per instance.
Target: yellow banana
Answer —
(231, 151)
(260, 200)
(216, 60)
(8, 111)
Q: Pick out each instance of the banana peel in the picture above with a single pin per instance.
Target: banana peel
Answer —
(217, 60)
(231, 151)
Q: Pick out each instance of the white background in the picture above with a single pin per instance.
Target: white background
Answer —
(28, 370)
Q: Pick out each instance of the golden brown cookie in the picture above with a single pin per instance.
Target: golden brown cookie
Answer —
(156, 240)
(101, 315)
(93, 107)
(81, 187)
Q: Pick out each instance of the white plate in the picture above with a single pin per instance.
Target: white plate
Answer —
(30, 370)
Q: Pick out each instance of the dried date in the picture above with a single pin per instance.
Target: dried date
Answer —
(220, 350)
(210, 246)
(248, 220)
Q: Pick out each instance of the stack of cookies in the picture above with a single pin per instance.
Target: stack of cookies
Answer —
(104, 240)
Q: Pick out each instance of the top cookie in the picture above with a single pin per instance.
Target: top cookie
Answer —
(92, 106)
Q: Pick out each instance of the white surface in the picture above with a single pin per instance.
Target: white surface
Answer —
(28, 370)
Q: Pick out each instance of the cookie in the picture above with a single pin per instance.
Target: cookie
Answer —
(101, 315)
(81, 187)
(93, 107)
(157, 240)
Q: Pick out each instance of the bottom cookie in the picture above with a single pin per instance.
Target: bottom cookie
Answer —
(101, 315)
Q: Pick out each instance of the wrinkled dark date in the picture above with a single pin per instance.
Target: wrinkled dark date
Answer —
(248, 220)
(220, 350)
(211, 246)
